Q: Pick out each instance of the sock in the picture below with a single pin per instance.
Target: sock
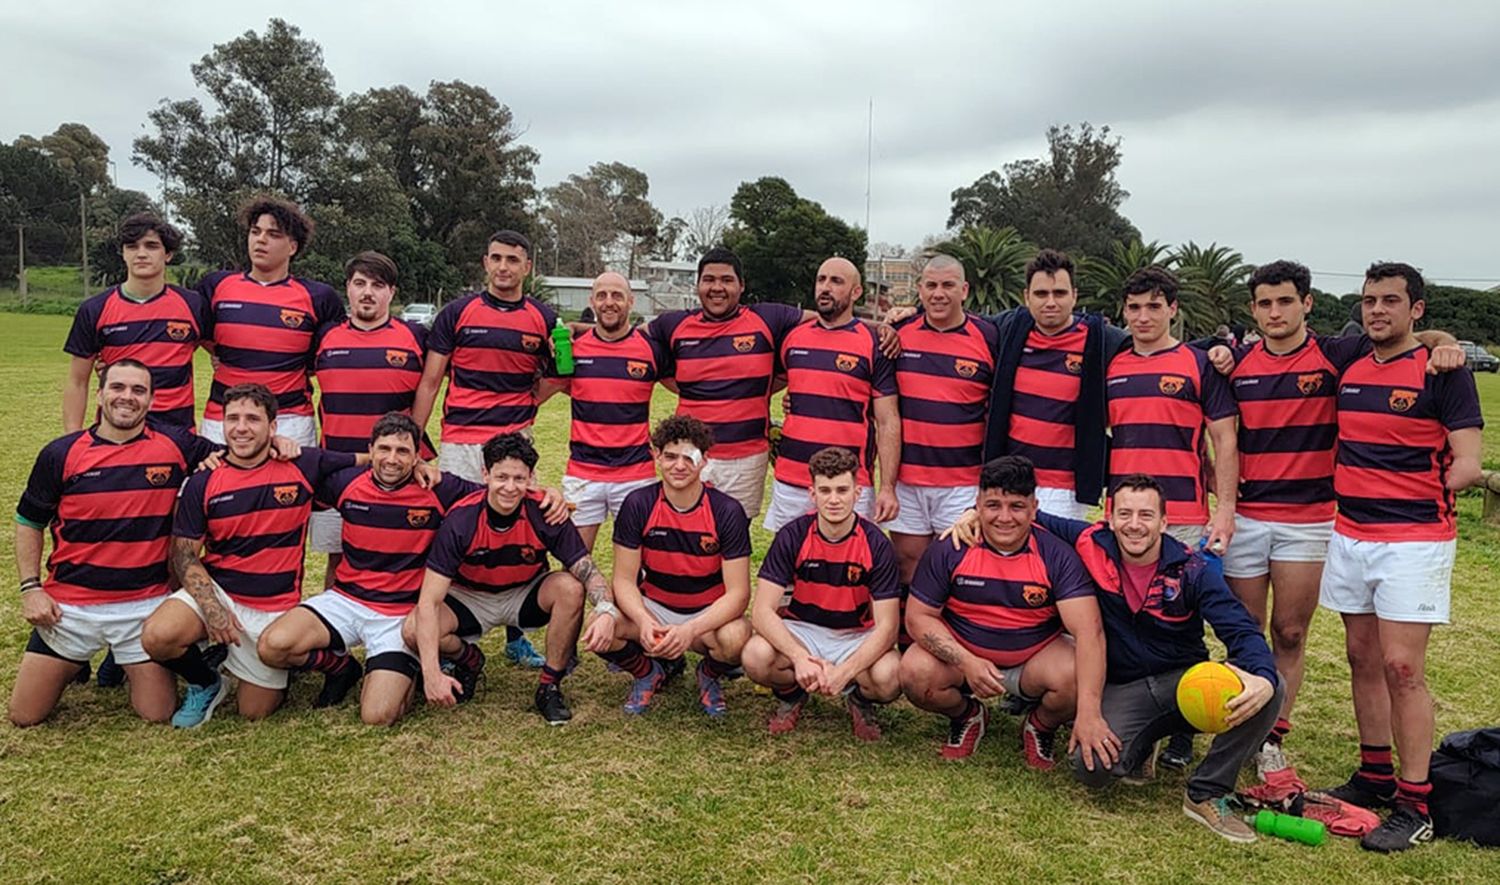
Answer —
(789, 695)
(1035, 722)
(1375, 769)
(859, 697)
(550, 676)
(970, 708)
(514, 633)
(716, 669)
(631, 658)
(325, 660)
(1279, 731)
(1413, 795)
(469, 657)
(192, 668)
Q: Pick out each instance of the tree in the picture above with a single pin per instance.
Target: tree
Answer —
(1213, 287)
(669, 239)
(35, 196)
(781, 239)
(705, 229)
(1102, 279)
(591, 213)
(995, 265)
(1067, 200)
(83, 158)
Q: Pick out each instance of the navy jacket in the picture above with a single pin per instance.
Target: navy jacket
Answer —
(1167, 633)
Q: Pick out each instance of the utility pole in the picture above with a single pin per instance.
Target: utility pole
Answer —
(869, 162)
(21, 259)
(83, 231)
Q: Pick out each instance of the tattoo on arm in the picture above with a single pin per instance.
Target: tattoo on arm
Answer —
(941, 648)
(594, 585)
(194, 577)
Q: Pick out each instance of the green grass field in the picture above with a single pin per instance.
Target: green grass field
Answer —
(487, 792)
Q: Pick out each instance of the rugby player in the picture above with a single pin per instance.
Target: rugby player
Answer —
(106, 495)
(837, 380)
(265, 320)
(988, 620)
(836, 634)
(681, 573)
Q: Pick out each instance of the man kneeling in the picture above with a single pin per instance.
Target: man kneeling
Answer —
(682, 572)
(836, 635)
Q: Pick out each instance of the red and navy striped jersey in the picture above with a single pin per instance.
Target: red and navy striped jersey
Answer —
(832, 378)
(833, 583)
(161, 333)
(611, 388)
(263, 333)
(1044, 403)
(109, 507)
(253, 521)
(1002, 607)
(1288, 425)
(363, 374)
(682, 552)
(1158, 404)
(480, 549)
(386, 534)
(1393, 453)
(723, 368)
(496, 351)
(944, 379)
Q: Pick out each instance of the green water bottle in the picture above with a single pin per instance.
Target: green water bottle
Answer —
(1289, 826)
(562, 348)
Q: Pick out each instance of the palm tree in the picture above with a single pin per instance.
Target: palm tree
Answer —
(994, 262)
(1101, 279)
(1213, 286)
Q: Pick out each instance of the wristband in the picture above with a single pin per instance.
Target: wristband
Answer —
(605, 607)
(31, 584)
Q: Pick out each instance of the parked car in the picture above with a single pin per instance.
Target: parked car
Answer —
(420, 313)
(1478, 359)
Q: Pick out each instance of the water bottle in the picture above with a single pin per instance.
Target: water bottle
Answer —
(1214, 561)
(1289, 826)
(562, 348)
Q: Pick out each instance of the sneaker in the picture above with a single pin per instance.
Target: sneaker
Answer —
(522, 653)
(1405, 829)
(550, 703)
(1036, 747)
(644, 688)
(1177, 755)
(1215, 814)
(1356, 791)
(672, 667)
(965, 731)
(468, 678)
(785, 717)
(1269, 758)
(710, 693)
(862, 718)
(198, 706)
(1144, 773)
(111, 674)
(336, 686)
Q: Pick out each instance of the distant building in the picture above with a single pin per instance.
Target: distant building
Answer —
(893, 278)
(670, 285)
(572, 293)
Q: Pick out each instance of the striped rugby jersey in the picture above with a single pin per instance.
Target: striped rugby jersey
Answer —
(496, 349)
(833, 583)
(1044, 403)
(611, 387)
(363, 374)
(480, 549)
(944, 378)
(682, 552)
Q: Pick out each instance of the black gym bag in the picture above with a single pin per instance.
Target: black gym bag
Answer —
(1465, 799)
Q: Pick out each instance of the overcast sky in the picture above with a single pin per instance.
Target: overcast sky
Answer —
(1334, 133)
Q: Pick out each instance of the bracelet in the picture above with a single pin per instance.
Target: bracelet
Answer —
(31, 584)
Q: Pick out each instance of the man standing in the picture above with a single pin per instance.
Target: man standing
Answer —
(836, 634)
(989, 620)
(488, 566)
(265, 320)
(615, 367)
(682, 573)
(1154, 596)
(492, 346)
(237, 544)
(367, 367)
(837, 379)
(143, 319)
(1407, 441)
(106, 494)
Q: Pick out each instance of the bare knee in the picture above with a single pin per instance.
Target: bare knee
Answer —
(566, 595)
(884, 679)
(23, 718)
(275, 647)
(1403, 674)
(758, 657)
(383, 715)
(1288, 637)
(160, 641)
(409, 630)
(729, 640)
(916, 675)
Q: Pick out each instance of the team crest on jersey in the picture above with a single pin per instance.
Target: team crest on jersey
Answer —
(284, 494)
(855, 573)
(1073, 362)
(531, 342)
(528, 554)
(1308, 385)
(396, 358)
(709, 544)
(1171, 385)
(1401, 400)
(744, 343)
(292, 319)
(416, 517)
(635, 368)
(158, 475)
(846, 362)
(179, 331)
(965, 368)
(1034, 594)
